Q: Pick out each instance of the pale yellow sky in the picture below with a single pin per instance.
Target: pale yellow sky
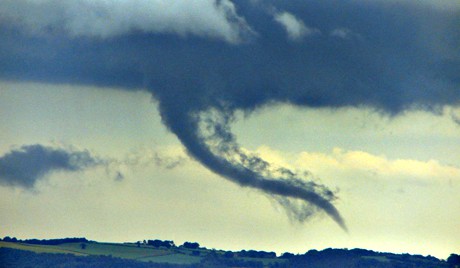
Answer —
(397, 178)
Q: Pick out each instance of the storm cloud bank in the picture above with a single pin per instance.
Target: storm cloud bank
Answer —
(105, 19)
(388, 55)
(25, 166)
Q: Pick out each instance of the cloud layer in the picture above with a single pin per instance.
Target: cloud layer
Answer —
(105, 19)
(25, 166)
(407, 55)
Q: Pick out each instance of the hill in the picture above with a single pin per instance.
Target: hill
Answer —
(80, 252)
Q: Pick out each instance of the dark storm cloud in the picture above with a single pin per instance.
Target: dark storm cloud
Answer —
(387, 55)
(23, 167)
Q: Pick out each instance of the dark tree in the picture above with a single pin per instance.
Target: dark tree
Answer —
(229, 254)
(158, 243)
(454, 260)
(155, 243)
(256, 254)
(54, 241)
(169, 243)
(287, 255)
(83, 246)
(191, 245)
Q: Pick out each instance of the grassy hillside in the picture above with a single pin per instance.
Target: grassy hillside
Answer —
(144, 255)
(141, 252)
(40, 248)
(126, 251)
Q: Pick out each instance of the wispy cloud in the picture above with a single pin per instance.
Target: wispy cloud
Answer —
(295, 27)
(344, 33)
(24, 166)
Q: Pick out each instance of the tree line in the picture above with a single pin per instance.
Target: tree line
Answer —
(50, 242)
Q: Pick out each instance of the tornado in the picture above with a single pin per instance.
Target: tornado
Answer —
(219, 152)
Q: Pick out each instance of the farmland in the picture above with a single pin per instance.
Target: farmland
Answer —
(156, 253)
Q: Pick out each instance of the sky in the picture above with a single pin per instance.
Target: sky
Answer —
(271, 125)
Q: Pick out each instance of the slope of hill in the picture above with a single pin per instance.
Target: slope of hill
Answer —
(62, 253)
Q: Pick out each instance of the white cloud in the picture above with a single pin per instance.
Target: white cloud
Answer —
(382, 166)
(341, 162)
(343, 33)
(295, 28)
(108, 18)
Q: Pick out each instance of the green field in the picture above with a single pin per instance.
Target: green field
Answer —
(126, 251)
(145, 253)
(41, 248)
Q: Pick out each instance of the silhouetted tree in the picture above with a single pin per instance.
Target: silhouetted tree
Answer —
(158, 243)
(191, 245)
(256, 254)
(287, 255)
(83, 246)
(454, 260)
(51, 241)
(229, 254)
(169, 243)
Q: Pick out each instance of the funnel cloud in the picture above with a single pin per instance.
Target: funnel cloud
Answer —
(214, 146)
(388, 57)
